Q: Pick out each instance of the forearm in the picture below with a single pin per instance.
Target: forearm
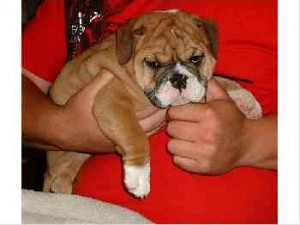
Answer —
(48, 126)
(38, 115)
(260, 143)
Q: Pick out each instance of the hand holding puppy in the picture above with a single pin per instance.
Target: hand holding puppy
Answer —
(82, 132)
(216, 137)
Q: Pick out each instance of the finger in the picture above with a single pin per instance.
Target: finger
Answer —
(151, 132)
(216, 91)
(181, 148)
(183, 130)
(186, 164)
(189, 112)
(141, 114)
(154, 121)
(100, 81)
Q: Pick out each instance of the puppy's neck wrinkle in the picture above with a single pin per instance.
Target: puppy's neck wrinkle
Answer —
(125, 74)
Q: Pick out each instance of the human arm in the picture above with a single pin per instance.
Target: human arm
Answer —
(53, 127)
(216, 137)
(72, 127)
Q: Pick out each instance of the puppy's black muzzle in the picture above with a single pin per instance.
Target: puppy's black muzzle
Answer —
(178, 81)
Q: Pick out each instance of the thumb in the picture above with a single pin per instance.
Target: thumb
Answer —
(215, 91)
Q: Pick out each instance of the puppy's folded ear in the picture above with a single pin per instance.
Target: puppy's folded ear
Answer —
(125, 37)
(211, 29)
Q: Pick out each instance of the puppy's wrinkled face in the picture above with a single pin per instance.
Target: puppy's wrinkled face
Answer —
(175, 82)
(172, 57)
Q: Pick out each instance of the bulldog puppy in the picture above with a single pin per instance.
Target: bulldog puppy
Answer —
(162, 58)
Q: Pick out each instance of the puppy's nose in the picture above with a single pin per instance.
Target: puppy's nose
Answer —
(178, 81)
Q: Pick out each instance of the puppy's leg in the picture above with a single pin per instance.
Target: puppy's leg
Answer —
(116, 117)
(243, 98)
(132, 143)
(137, 179)
(247, 103)
(62, 170)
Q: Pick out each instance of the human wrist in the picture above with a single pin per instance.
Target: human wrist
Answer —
(38, 115)
(247, 136)
(53, 129)
(78, 136)
(39, 128)
(58, 128)
(259, 143)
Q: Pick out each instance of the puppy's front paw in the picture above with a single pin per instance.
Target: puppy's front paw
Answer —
(247, 103)
(137, 179)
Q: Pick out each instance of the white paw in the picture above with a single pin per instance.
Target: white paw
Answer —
(247, 103)
(137, 179)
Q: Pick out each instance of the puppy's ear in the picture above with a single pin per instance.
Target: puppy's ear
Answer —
(211, 29)
(125, 37)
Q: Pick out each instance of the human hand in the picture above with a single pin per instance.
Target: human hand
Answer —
(207, 138)
(81, 131)
(151, 119)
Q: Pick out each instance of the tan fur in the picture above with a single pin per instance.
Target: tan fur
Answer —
(169, 37)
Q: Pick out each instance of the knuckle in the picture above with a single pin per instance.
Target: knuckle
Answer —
(177, 161)
(211, 112)
(170, 113)
(208, 167)
(213, 153)
(209, 137)
(214, 119)
(169, 128)
(171, 145)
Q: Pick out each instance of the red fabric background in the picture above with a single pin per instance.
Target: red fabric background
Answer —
(248, 49)
(245, 195)
(44, 41)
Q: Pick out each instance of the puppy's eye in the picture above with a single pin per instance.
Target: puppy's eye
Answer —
(196, 59)
(153, 64)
